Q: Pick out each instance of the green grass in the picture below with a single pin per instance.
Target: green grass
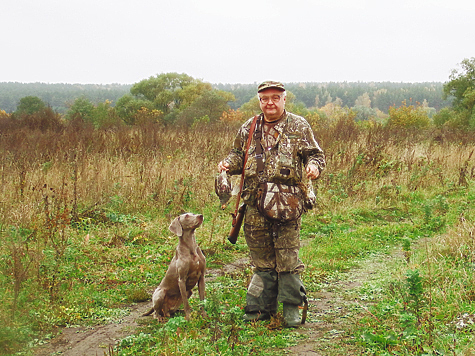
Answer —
(221, 333)
(109, 265)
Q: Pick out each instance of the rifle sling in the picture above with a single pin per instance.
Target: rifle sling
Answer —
(259, 150)
(246, 155)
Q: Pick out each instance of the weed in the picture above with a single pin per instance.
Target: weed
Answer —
(406, 248)
(414, 299)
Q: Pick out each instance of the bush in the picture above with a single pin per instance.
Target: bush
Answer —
(442, 117)
(408, 116)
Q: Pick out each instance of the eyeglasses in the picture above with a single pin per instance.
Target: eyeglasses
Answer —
(274, 98)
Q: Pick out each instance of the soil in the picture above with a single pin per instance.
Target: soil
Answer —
(335, 309)
(332, 312)
(93, 341)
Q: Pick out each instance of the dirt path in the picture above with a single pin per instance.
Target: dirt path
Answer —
(335, 309)
(93, 341)
(331, 312)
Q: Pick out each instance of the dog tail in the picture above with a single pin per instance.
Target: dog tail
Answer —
(148, 313)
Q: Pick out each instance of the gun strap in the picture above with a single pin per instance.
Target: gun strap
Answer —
(259, 150)
(246, 155)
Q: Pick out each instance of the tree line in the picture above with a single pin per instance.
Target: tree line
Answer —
(381, 95)
(173, 98)
(58, 96)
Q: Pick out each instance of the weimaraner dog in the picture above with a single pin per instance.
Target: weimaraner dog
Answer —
(186, 269)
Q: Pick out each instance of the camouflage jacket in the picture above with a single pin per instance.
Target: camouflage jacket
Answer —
(295, 148)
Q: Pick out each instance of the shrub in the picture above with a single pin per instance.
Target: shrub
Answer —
(442, 117)
(408, 116)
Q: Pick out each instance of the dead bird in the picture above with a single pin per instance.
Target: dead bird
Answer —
(223, 188)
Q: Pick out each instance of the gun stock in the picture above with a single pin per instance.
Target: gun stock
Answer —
(233, 234)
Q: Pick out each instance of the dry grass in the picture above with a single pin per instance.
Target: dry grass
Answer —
(149, 166)
(168, 169)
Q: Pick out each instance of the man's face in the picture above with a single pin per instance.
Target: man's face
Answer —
(272, 102)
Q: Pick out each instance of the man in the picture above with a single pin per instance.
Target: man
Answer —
(282, 147)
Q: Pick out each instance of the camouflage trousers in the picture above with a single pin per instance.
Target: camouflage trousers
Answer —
(271, 246)
(274, 251)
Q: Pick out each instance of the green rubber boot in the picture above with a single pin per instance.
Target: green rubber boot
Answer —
(291, 315)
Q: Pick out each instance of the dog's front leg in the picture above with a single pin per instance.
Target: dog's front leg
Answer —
(201, 291)
(184, 297)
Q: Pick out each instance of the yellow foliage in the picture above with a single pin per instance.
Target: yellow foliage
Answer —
(232, 116)
(329, 109)
(335, 112)
(408, 116)
(381, 115)
(4, 115)
(146, 115)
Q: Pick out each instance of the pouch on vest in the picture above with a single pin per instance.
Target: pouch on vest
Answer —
(279, 202)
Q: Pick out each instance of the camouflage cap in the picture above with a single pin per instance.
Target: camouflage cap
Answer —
(270, 84)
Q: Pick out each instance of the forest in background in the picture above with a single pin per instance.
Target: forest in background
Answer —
(174, 98)
(59, 96)
(382, 95)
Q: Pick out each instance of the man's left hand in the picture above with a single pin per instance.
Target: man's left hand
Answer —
(312, 171)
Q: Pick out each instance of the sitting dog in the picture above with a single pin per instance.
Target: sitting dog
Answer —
(186, 269)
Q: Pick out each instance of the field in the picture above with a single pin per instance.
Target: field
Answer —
(84, 235)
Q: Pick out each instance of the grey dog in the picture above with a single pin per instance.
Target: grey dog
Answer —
(186, 269)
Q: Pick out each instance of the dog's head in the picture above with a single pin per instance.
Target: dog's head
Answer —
(187, 221)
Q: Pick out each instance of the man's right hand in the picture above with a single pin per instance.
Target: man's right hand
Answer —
(223, 166)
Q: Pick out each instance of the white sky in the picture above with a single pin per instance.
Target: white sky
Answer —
(239, 41)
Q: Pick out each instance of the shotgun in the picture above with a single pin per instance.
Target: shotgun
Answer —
(238, 214)
(237, 222)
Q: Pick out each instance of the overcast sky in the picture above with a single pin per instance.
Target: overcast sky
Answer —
(244, 41)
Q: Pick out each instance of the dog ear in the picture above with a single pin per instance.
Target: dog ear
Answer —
(175, 227)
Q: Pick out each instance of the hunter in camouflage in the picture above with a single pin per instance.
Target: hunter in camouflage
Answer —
(288, 150)
(289, 146)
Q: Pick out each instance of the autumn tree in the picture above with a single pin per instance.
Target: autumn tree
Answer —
(462, 88)
(129, 108)
(211, 104)
(232, 117)
(408, 116)
(176, 96)
(363, 100)
(170, 92)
